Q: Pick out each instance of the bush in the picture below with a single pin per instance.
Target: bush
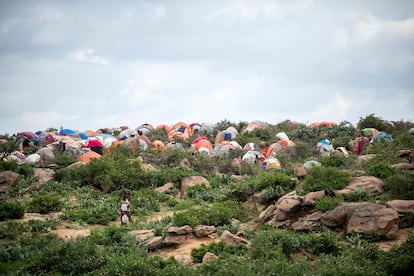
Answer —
(219, 213)
(325, 178)
(272, 179)
(44, 204)
(11, 230)
(11, 210)
(328, 203)
(381, 170)
(220, 249)
(400, 186)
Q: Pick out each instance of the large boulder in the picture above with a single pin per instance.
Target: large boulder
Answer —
(371, 184)
(209, 257)
(152, 243)
(183, 230)
(165, 188)
(204, 230)
(43, 175)
(267, 213)
(405, 209)
(46, 154)
(374, 219)
(310, 198)
(337, 217)
(256, 202)
(287, 206)
(142, 235)
(191, 181)
(308, 223)
(8, 179)
(230, 238)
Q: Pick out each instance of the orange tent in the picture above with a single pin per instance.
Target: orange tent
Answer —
(279, 146)
(163, 126)
(203, 143)
(87, 156)
(180, 130)
(158, 145)
(323, 123)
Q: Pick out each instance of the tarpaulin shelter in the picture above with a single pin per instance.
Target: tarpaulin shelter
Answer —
(225, 135)
(323, 123)
(272, 163)
(207, 127)
(310, 164)
(163, 126)
(88, 156)
(158, 145)
(106, 139)
(280, 146)
(255, 125)
(382, 137)
(202, 143)
(68, 131)
(282, 136)
(94, 143)
(174, 145)
(46, 137)
(180, 130)
(124, 127)
(251, 146)
(370, 132)
(28, 135)
(127, 133)
(225, 147)
(253, 156)
(195, 127)
(324, 147)
(195, 141)
(144, 129)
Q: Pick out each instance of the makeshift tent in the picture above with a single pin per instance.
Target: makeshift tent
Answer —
(382, 137)
(282, 136)
(46, 137)
(127, 133)
(174, 145)
(158, 145)
(251, 146)
(253, 156)
(144, 129)
(207, 127)
(195, 127)
(145, 139)
(123, 127)
(46, 154)
(67, 131)
(73, 152)
(33, 158)
(272, 163)
(280, 146)
(106, 139)
(202, 143)
(324, 147)
(311, 163)
(28, 135)
(369, 132)
(225, 147)
(180, 130)
(195, 141)
(163, 126)
(255, 125)
(88, 156)
(323, 123)
(17, 156)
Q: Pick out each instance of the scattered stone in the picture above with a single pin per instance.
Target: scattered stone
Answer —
(166, 187)
(43, 175)
(209, 257)
(204, 230)
(191, 181)
(183, 230)
(230, 238)
(8, 179)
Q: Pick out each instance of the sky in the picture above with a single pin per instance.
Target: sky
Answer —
(86, 65)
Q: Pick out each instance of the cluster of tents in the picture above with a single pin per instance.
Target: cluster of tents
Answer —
(93, 144)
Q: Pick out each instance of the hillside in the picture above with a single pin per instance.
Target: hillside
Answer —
(229, 199)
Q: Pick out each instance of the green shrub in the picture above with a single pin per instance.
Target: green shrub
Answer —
(11, 230)
(400, 186)
(328, 203)
(272, 179)
(381, 170)
(44, 204)
(325, 178)
(217, 214)
(11, 210)
(220, 249)
(334, 160)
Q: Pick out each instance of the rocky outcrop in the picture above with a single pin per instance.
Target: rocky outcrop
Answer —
(374, 219)
(8, 179)
(209, 257)
(230, 238)
(191, 181)
(287, 206)
(204, 230)
(405, 209)
(338, 217)
(183, 230)
(256, 202)
(370, 184)
(43, 175)
(165, 188)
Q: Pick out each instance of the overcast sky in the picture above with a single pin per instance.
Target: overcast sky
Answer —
(93, 64)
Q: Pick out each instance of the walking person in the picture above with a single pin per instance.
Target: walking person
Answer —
(125, 211)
